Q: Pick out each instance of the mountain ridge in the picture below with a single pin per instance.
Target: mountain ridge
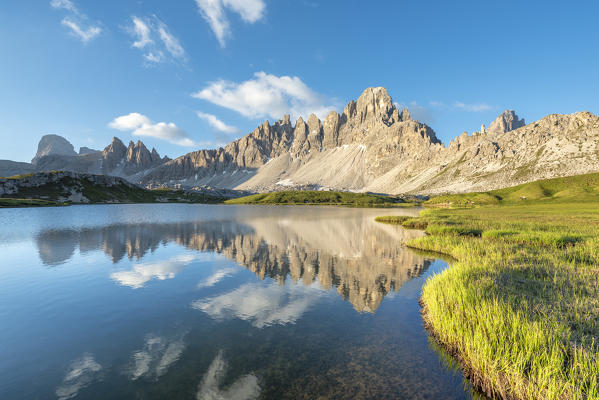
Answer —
(371, 145)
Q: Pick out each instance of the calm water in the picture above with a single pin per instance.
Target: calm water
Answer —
(213, 302)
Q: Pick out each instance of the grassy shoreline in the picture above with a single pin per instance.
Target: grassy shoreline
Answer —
(519, 308)
(323, 198)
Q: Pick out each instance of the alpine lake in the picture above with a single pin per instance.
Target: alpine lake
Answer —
(181, 301)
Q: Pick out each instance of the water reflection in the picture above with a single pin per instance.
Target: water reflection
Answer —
(244, 388)
(80, 374)
(364, 260)
(262, 304)
(157, 355)
(141, 273)
(237, 302)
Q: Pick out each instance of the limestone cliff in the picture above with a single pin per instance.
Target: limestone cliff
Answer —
(372, 146)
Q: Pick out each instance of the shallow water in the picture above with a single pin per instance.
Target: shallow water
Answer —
(216, 302)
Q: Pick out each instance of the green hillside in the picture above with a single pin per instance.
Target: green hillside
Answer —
(571, 189)
(312, 197)
(63, 188)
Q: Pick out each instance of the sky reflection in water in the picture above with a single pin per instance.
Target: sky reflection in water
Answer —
(213, 302)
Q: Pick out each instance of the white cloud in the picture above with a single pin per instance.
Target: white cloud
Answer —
(65, 5)
(263, 304)
(244, 388)
(216, 123)
(458, 105)
(140, 274)
(154, 37)
(142, 31)
(84, 34)
(266, 96)
(170, 42)
(476, 107)
(214, 12)
(140, 125)
(81, 373)
(77, 21)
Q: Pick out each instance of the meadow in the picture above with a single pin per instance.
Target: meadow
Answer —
(313, 197)
(519, 306)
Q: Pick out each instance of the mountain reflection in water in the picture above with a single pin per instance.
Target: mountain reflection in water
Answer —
(363, 259)
(197, 301)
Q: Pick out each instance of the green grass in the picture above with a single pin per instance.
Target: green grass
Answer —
(310, 197)
(10, 202)
(519, 308)
(407, 222)
(568, 189)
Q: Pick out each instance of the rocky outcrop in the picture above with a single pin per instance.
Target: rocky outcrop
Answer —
(507, 121)
(372, 146)
(86, 150)
(345, 151)
(64, 186)
(55, 153)
(53, 145)
(11, 168)
(138, 158)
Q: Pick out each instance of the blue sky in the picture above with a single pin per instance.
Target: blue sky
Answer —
(194, 74)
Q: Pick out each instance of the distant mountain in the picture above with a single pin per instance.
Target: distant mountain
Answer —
(370, 146)
(56, 153)
(73, 187)
(53, 145)
(346, 151)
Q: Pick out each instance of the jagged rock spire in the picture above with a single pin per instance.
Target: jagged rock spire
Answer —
(506, 121)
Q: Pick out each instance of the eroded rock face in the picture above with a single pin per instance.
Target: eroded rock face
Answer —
(113, 154)
(506, 121)
(56, 153)
(53, 145)
(371, 146)
(345, 151)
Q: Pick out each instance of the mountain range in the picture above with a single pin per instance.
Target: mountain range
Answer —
(371, 146)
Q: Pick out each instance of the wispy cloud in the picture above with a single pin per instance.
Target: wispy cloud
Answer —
(458, 105)
(216, 123)
(140, 125)
(214, 12)
(154, 38)
(267, 95)
(475, 107)
(77, 22)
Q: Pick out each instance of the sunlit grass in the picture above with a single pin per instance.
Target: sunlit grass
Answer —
(313, 197)
(520, 305)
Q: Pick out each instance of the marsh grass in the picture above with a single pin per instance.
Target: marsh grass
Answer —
(519, 308)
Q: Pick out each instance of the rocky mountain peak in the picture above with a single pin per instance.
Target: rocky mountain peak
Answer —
(53, 145)
(373, 103)
(113, 154)
(506, 121)
(405, 115)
